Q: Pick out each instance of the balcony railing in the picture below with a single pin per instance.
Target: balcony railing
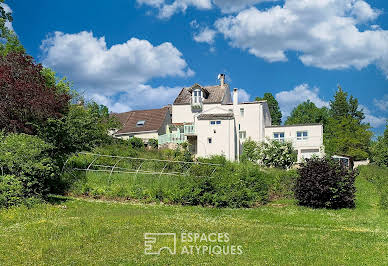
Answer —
(189, 129)
(171, 138)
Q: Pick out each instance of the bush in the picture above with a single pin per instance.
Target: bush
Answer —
(271, 153)
(28, 158)
(323, 183)
(11, 191)
(277, 154)
(153, 143)
(136, 143)
(282, 183)
(250, 151)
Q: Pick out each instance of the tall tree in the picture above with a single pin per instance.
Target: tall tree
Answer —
(9, 40)
(345, 133)
(379, 149)
(25, 99)
(341, 106)
(273, 106)
(307, 112)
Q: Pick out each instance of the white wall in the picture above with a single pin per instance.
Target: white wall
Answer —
(183, 113)
(145, 136)
(313, 144)
(223, 142)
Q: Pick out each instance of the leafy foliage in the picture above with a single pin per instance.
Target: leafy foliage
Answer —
(9, 40)
(270, 153)
(323, 183)
(273, 105)
(345, 133)
(28, 158)
(81, 129)
(346, 136)
(278, 154)
(250, 151)
(25, 99)
(136, 143)
(379, 149)
(11, 191)
(153, 143)
(307, 113)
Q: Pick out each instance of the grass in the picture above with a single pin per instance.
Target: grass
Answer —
(82, 232)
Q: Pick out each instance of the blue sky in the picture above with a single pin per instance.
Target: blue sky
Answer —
(133, 54)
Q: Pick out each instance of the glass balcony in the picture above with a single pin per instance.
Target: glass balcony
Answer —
(189, 130)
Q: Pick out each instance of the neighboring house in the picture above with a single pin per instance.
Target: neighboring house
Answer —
(307, 139)
(144, 124)
(212, 120)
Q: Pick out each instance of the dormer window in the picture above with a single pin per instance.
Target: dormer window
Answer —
(140, 123)
(197, 96)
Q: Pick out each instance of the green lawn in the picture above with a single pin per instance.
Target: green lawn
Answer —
(80, 232)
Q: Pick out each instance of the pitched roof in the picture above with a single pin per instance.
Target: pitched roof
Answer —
(226, 116)
(214, 94)
(153, 118)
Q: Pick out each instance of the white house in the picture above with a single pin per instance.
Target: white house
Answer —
(212, 120)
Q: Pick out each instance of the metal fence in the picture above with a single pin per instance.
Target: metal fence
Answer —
(92, 162)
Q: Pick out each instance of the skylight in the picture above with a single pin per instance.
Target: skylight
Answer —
(140, 123)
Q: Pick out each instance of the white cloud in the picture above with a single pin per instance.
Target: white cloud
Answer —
(382, 104)
(230, 6)
(243, 96)
(205, 35)
(324, 33)
(7, 9)
(116, 76)
(288, 100)
(373, 120)
(166, 9)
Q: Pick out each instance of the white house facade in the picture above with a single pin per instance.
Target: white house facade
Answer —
(213, 122)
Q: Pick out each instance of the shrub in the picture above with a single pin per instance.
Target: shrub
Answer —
(11, 191)
(277, 154)
(136, 143)
(282, 183)
(28, 158)
(250, 151)
(153, 143)
(323, 183)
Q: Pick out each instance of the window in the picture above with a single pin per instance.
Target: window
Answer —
(197, 96)
(140, 123)
(209, 140)
(242, 112)
(215, 122)
(218, 122)
(278, 136)
(243, 134)
(301, 135)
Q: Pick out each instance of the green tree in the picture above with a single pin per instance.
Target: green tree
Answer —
(348, 137)
(341, 106)
(379, 149)
(273, 106)
(307, 113)
(345, 133)
(10, 41)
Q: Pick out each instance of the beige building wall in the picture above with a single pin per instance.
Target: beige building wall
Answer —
(184, 114)
(313, 144)
(145, 136)
(222, 138)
